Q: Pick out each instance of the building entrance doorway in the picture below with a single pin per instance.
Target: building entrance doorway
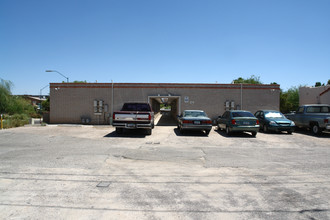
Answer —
(166, 109)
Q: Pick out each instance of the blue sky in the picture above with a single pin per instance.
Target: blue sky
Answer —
(165, 41)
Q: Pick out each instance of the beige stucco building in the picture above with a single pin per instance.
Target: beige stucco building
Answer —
(314, 95)
(93, 103)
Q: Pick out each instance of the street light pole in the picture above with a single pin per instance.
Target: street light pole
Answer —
(67, 78)
(41, 93)
(40, 101)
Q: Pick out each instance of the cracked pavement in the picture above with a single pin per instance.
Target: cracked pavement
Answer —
(90, 172)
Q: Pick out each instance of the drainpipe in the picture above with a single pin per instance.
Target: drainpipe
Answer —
(241, 96)
(111, 103)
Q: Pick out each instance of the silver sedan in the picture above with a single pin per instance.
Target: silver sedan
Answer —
(194, 120)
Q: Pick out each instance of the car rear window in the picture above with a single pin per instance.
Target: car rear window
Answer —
(318, 109)
(136, 107)
(242, 114)
(194, 114)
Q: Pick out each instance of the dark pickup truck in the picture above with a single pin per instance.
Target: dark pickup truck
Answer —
(314, 117)
(134, 116)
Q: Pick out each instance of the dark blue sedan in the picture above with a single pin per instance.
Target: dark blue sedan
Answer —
(271, 120)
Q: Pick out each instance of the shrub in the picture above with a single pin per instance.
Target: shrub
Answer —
(15, 120)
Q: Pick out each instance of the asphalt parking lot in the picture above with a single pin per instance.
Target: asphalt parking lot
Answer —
(90, 172)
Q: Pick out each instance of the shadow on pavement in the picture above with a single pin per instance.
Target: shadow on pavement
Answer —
(235, 134)
(188, 133)
(275, 133)
(138, 133)
(166, 120)
(325, 134)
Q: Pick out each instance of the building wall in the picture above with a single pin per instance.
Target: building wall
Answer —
(313, 95)
(70, 102)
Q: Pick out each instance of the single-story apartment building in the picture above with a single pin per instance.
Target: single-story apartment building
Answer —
(94, 103)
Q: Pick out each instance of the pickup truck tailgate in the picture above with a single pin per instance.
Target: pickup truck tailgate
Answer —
(129, 117)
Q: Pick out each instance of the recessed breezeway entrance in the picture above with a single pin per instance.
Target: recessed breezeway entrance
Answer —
(166, 107)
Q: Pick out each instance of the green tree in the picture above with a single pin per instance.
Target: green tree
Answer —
(317, 84)
(328, 82)
(18, 105)
(252, 80)
(5, 94)
(289, 100)
(45, 105)
(11, 104)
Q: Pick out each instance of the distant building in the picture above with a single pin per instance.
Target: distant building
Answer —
(35, 100)
(314, 95)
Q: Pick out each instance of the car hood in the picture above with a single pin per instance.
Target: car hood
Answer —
(279, 120)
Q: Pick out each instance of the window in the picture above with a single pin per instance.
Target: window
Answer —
(193, 114)
(300, 110)
(274, 115)
(136, 107)
(317, 109)
(242, 114)
(313, 109)
(325, 109)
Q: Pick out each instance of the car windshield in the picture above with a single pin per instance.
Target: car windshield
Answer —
(274, 115)
(194, 114)
(136, 107)
(242, 114)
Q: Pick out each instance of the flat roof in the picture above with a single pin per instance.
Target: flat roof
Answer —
(165, 85)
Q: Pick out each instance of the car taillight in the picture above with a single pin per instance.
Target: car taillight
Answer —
(326, 121)
(149, 118)
(257, 122)
(186, 122)
(113, 116)
(233, 122)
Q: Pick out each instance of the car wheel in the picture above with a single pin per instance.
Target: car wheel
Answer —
(266, 130)
(316, 129)
(289, 132)
(227, 130)
(181, 130)
(254, 133)
(149, 131)
(207, 132)
(119, 130)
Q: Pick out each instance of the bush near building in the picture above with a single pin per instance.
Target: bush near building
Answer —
(16, 110)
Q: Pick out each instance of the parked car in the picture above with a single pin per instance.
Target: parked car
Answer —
(194, 120)
(272, 120)
(134, 116)
(314, 117)
(238, 121)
